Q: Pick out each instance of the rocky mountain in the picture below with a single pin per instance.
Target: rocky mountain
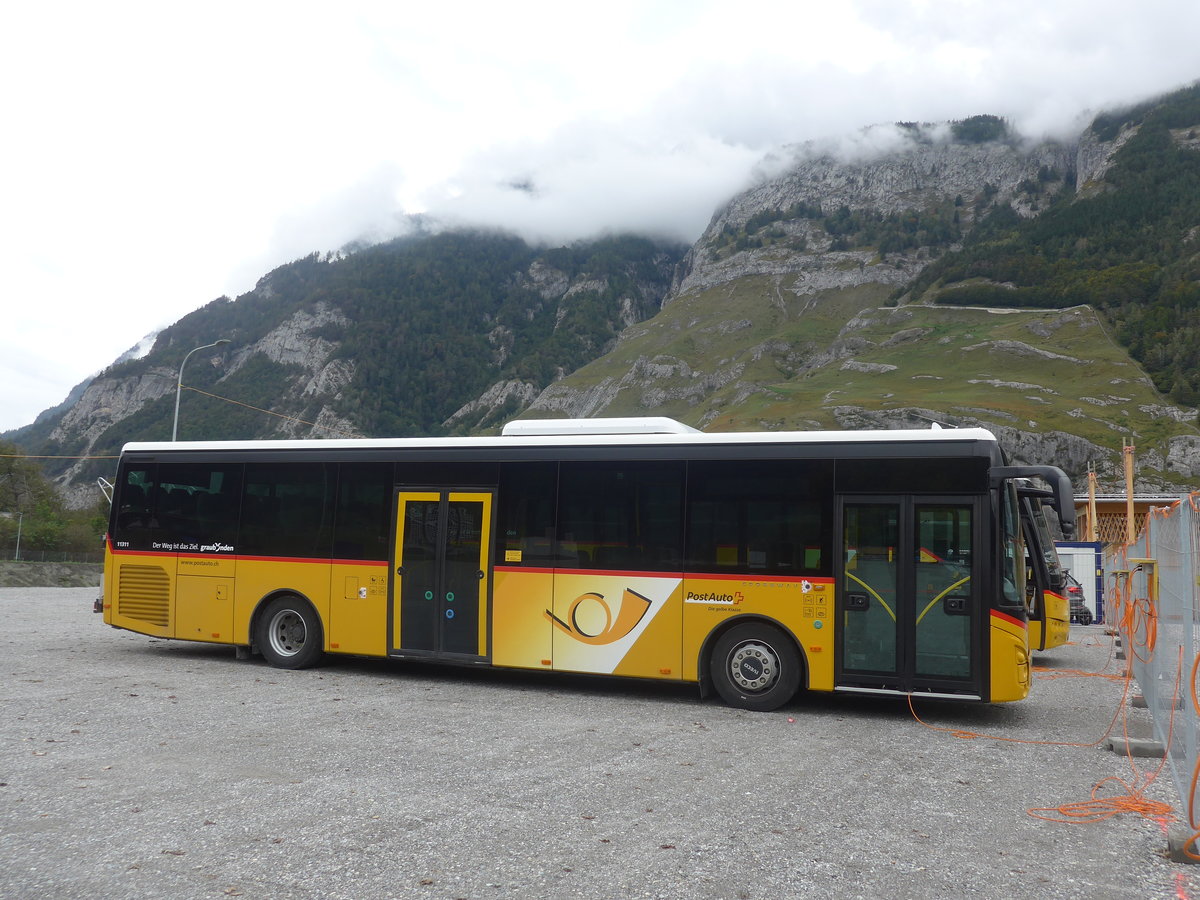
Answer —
(398, 339)
(912, 273)
(808, 303)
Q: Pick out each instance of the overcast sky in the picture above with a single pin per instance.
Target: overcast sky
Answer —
(155, 156)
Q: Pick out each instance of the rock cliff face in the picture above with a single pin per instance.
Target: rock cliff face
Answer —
(889, 171)
(105, 401)
(637, 300)
(1094, 156)
(298, 341)
(309, 346)
(775, 320)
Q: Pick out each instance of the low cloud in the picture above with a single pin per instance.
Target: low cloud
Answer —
(588, 181)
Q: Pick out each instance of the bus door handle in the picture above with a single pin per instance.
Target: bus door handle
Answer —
(399, 570)
(481, 575)
(956, 606)
(857, 602)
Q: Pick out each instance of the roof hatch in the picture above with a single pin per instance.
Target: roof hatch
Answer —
(629, 425)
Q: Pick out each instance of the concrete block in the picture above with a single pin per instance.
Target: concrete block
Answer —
(1180, 845)
(1148, 748)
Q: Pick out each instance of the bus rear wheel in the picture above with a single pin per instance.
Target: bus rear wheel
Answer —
(289, 634)
(755, 666)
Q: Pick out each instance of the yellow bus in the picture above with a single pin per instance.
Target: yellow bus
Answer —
(750, 564)
(1049, 606)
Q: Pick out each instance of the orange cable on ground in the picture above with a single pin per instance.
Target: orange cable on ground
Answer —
(965, 734)
(1195, 773)
(1133, 800)
(1100, 808)
(1097, 808)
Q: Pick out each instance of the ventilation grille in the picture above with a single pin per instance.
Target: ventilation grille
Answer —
(144, 593)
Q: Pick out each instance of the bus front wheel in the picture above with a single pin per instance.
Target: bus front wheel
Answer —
(289, 634)
(755, 666)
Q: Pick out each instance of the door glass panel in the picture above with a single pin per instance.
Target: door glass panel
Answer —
(461, 583)
(1014, 551)
(442, 561)
(870, 567)
(944, 591)
(419, 600)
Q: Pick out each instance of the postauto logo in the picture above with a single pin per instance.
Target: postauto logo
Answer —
(592, 619)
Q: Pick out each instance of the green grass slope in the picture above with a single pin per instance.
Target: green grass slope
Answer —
(750, 354)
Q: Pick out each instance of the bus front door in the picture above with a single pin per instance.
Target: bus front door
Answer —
(441, 583)
(909, 604)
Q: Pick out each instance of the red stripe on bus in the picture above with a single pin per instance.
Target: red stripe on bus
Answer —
(623, 573)
(630, 573)
(787, 579)
(322, 561)
(1010, 619)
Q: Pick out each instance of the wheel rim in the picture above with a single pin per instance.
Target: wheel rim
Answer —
(754, 666)
(287, 632)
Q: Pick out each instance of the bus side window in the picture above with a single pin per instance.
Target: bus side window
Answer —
(362, 516)
(197, 504)
(133, 520)
(769, 517)
(525, 517)
(622, 515)
(288, 510)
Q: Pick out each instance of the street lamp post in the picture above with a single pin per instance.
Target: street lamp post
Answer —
(179, 382)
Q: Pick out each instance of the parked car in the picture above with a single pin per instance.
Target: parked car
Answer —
(1079, 611)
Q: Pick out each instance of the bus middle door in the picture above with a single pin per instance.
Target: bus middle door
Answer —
(441, 586)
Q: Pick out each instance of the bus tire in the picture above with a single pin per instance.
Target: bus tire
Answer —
(755, 666)
(290, 634)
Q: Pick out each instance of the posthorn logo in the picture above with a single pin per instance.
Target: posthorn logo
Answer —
(591, 618)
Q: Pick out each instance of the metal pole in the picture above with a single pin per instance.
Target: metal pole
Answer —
(20, 519)
(1130, 527)
(179, 382)
(1189, 595)
(1093, 525)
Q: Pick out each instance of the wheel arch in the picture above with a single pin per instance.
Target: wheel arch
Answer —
(704, 660)
(276, 594)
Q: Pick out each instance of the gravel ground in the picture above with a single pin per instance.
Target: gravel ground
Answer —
(134, 767)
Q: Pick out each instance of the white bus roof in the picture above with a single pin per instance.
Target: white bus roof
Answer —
(631, 425)
(650, 431)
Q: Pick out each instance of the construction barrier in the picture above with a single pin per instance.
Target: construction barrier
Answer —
(1153, 591)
